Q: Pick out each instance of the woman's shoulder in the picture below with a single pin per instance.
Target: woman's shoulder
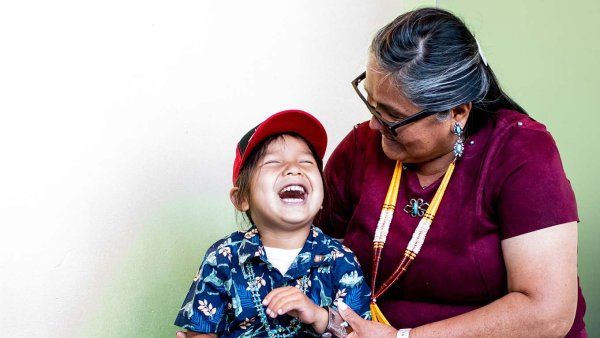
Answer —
(358, 137)
(524, 180)
(362, 132)
(511, 120)
(361, 145)
(517, 137)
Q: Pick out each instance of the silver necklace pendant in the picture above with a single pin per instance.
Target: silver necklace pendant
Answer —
(416, 207)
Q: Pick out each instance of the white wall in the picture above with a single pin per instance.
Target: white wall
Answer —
(110, 109)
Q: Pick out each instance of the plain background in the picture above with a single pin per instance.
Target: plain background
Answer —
(119, 119)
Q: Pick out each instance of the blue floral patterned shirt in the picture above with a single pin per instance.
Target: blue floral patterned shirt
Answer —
(235, 276)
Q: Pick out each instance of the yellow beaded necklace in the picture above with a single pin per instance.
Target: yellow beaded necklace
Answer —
(416, 242)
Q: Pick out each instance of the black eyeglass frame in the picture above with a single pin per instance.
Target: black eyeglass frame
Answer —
(391, 126)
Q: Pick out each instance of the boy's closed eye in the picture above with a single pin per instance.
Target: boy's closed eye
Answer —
(303, 161)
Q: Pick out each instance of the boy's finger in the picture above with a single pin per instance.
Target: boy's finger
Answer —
(282, 292)
(269, 297)
(283, 298)
(288, 304)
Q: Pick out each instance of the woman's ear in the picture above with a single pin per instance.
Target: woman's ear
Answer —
(239, 203)
(461, 113)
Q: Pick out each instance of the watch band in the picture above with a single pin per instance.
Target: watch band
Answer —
(336, 326)
(403, 333)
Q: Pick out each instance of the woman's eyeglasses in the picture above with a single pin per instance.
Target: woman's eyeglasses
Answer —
(390, 126)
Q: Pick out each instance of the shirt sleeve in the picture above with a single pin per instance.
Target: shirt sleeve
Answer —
(204, 307)
(532, 189)
(349, 284)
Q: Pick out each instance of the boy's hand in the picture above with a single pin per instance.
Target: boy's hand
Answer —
(291, 300)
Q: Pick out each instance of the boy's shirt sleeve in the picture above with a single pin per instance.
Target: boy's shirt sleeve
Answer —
(205, 306)
(350, 285)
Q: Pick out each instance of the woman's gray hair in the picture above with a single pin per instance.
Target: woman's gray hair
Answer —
(435, 62)
(433, 59)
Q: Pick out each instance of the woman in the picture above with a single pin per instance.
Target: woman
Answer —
(453, 198)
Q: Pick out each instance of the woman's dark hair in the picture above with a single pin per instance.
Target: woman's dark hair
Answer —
(435, 62)
(244, 180)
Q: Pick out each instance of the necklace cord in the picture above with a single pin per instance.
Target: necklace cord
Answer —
(414, 245)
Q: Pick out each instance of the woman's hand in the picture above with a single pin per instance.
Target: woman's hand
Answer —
(364, 328)
(290, 300)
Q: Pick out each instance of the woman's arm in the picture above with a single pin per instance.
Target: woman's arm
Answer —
(542, 285)
(542, 297)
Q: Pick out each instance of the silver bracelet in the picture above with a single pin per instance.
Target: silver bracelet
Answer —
(403, 333)
(336, 326)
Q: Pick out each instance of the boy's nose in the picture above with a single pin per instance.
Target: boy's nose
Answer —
(293, 170)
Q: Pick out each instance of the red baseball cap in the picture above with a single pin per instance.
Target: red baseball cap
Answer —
(287, 121)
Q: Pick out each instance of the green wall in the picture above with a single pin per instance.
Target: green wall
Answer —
(144, 292)
(546, 54)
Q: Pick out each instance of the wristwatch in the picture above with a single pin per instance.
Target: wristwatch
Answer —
(336, 326)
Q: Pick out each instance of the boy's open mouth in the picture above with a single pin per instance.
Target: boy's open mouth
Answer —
(293, 194)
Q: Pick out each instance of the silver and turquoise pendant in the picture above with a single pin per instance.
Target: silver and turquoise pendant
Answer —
(416, 207)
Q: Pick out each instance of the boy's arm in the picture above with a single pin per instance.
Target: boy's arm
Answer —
(205, 306)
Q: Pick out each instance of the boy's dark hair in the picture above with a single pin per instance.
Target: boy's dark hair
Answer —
(243, 182)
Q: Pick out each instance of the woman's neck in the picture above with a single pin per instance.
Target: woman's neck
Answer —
(430, 171)
(275, 237)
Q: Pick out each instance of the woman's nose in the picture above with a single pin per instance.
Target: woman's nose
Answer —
(375, 124)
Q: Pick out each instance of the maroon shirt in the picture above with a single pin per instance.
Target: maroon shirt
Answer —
(510, 181)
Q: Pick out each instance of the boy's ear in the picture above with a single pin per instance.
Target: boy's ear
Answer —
(235, 200)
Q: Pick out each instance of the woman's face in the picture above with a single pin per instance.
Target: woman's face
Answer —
(418, 142)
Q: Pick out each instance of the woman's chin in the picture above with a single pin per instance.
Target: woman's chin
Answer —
(392, 149)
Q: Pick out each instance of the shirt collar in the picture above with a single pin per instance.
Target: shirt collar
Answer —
(251, 246)
(312, 254)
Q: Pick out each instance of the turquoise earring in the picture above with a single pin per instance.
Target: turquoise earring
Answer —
(459, 146)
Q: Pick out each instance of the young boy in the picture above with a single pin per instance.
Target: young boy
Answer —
(281, 277)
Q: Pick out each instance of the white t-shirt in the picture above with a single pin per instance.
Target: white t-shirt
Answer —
(281, 258)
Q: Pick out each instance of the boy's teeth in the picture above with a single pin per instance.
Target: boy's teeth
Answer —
(293, 194)
(293, 188)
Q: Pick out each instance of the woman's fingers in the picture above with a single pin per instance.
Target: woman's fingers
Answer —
(364, 328)
(350, 316)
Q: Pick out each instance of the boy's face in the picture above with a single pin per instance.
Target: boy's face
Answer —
(286, 186)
